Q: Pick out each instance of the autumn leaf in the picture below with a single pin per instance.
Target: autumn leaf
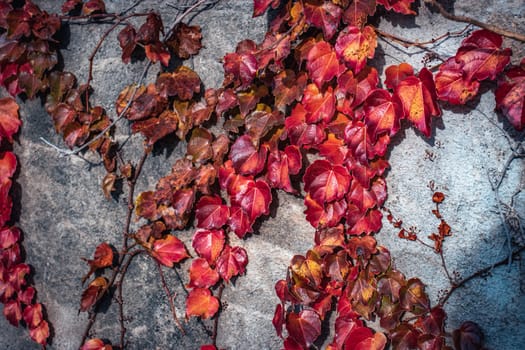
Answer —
(288, 87)
(7, 166)
(282, 164)
(255, 200)
(185, 40)
(419, 100)
(510, 95)
(9, 121)
(451, 85)
(333, 149)
(413, 297)
(126, 38)
(303, 327)
(481, 56)
(95, 344)
(102, 258)
(326, 182)
(319, 105)
(8, 237)
(355, 45)
(240, 68)
(433, 323)
(400, 6)
(183, 82)
(13, 312)
(208, 244)
(323, 215)
(357, 13)
(382, 113)
(246, 158)
(405, 336)
(200, 145)
(202, 275)
(368, 223)
(211, 213)
(169, 250)
(260, 6)
(323, 15)
(322, 63)
(397, 73)
(239, 222)
(232, 262)
(93, 293)
(362, 338)
(93, 6)
(468, 336)
(40, 333)
(201, 303)
(299, 132)
(33, 315)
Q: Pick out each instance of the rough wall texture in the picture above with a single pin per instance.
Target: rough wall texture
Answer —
(64, 214)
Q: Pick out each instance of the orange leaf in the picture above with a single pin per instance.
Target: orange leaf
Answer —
(9, 121)
(208, 244)
(202, 275)
(201, 303)
(93, 293)
(354, 46)
(232, 262)
(169, 250)
(322, 63)
(318, 105)
(7, 165)
(418, 98)
(451, 85)
(95, 344)
(40, 334)
(397, 73)
(399, 6)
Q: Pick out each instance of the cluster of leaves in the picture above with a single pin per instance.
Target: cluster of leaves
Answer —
(17, 295)
(301, 108)
(28, 51)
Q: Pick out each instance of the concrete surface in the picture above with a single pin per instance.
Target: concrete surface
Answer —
(64, 214)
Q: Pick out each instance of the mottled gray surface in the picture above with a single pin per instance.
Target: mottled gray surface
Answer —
(64, 214)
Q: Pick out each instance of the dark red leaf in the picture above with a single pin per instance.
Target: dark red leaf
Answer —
(326, 182)
(304, 327)
(208, 244)
(299, 132)
(255, 199)
(211, 212)
(357, 12)
(322, 63)
(282, 164)
(382, 113)
(185, 40)
(93, 6)
(510, 96)
(323, 15)
(239, 221)
(33, 315)
(278, 320)
(451, 85)
(481, 55)
(232, 262)
(240, 68)
(126, 39)
(247, 160)
(413, 297)
(92, 293)
(468, 336)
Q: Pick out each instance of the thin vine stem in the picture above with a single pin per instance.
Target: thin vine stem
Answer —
(465, 19)
(170, 297)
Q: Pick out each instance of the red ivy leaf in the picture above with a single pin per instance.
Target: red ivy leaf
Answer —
(382, 113)
(211, 213)
(369, 223)
(326, 182)
(304, 327)
(322, 63)
(396, 74)
(354, 46)
(246, 159)
(278, 320)
(13, 312)
(92, 293)
(399, 6)
(126, 39)
(481, 55)
(418, 97)
(103, 256)
(333, 149)
(33, 315)
(7, 166)
(9, 121)
(95, 344)
(202, 275)
(433, 323)
(157, 52)
(240, 68)
(299, 132)
(70, 5)
(169, 250)
(288, 87)
(239, 221)
(413, 297)
(358, 11)
(208, 244)
(325, 15)
(282, 164)
(183, 82)
(318, 105)
(93, 6)
(201, 303)
(451, 85)
(185, 40)
(510, 96)
(468, 337)
(232, 262)
(324, 215)
(40, 334)
(8, 237)
(260, 6)
(255, 200)
(405, 337)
